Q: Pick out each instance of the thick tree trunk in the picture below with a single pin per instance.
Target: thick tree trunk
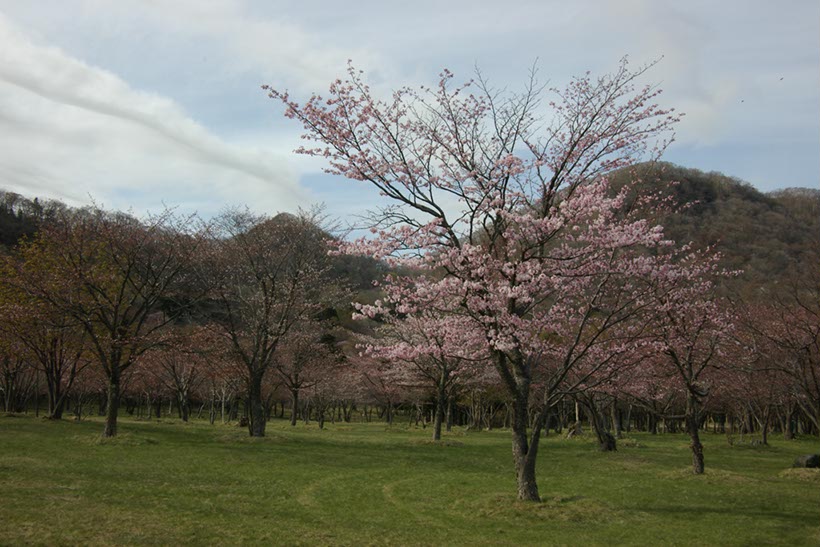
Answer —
(524, 455)
(36, 397)
(256, 411)
(606, 441)
(78, 409)
(184, 407)
(438, 419)
(788, 427)
(617, 427)
(516, 376)
(54, 396)
(628, 420)
(56, 412)
(56, 399)
(294, 397)
(112, 404)
(692, 428)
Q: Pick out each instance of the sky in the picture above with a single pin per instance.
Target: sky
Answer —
(139, 104)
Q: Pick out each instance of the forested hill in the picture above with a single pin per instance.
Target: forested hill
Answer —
(767, 235)
(20, 216)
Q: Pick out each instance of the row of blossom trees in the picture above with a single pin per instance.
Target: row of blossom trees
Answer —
(158, 298)
(754, 392)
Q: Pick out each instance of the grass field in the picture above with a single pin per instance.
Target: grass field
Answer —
(171, 483)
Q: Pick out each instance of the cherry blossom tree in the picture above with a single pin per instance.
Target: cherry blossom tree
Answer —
(18, 379)
(499, 200)
(89, 382)
(430, 350)
(264, 276)
(694, 331)
(49, 339)
(179, 363)
(120, 279)
(223, 379)
(306, 360)
(381, 386)
(786, 333)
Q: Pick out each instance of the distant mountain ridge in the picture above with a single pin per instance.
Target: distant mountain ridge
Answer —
(767, 235)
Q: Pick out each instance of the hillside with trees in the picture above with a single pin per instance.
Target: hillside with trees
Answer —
(767, 235)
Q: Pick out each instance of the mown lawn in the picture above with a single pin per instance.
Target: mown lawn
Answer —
(172, 483)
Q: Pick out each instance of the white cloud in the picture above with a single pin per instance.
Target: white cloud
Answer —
(263, 39)
(120, 132)
(70, 130)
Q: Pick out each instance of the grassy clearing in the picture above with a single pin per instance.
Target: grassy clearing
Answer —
(358, 484)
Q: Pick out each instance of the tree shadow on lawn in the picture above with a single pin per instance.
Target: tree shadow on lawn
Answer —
(798, 517)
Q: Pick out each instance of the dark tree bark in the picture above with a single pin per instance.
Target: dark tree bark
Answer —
(294, 397)
(112, 405)
(524, 453)
(184, 407)
(789, 426)
(256, 410)
(524, 446)
(606, 441)
(692, 422)
(441, 401)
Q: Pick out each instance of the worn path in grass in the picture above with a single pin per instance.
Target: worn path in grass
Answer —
(173, 483)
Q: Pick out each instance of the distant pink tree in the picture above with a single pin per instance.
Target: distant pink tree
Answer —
(504, 211)
(307, 360)
(179, 363)
(785, 332)
(381, 385)
(694, 331)
(431, 350)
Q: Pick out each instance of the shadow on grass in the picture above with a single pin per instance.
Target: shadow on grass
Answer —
(796, 517)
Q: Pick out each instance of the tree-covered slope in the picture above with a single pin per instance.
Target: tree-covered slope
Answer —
(767, 235)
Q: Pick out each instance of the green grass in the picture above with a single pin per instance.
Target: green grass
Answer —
(172, 483)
